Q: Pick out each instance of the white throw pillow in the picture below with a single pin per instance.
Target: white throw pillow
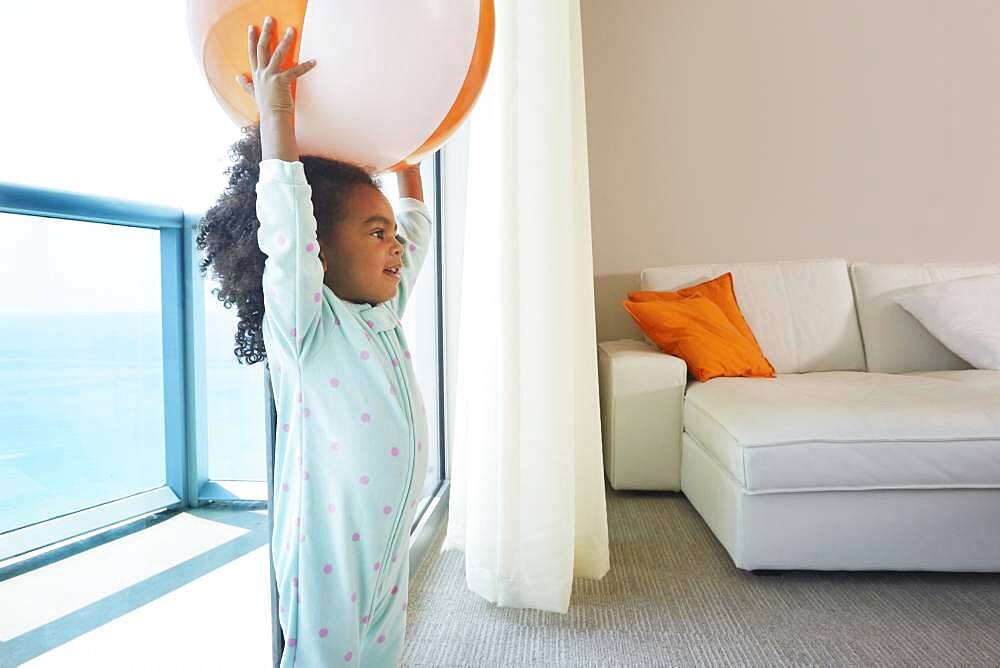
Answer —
(963, 314)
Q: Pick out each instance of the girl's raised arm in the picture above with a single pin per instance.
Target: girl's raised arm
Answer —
(271, 89)
(293, 272)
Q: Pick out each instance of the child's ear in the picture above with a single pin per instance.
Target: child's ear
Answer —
(323, 260)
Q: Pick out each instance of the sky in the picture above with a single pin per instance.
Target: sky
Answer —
(106, 97)
(101, 98)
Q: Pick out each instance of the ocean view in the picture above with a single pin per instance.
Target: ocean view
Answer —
(81, 401)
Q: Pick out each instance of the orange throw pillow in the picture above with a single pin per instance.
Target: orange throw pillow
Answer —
(720, 291)
(695, 329)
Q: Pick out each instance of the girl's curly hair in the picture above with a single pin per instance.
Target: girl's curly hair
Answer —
(228, 231)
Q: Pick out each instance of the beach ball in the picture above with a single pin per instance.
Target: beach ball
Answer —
(393, 78)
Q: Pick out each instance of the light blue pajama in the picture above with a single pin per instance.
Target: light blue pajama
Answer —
(350, 451)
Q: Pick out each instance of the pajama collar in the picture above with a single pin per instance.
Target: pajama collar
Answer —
(379, 318)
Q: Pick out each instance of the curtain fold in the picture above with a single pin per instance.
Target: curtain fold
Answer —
(527, 502)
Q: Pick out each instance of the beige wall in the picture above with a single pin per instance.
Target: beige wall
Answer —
(728, 130)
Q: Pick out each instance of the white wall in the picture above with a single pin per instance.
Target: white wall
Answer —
(725, 130)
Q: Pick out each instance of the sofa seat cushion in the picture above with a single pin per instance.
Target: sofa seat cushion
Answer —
(987, 380)
(849, 430)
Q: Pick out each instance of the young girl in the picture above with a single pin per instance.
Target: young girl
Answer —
(325, 306)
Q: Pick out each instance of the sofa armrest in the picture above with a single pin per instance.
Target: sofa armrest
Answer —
(642, 402)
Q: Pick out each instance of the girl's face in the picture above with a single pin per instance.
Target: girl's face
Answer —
(361, 251)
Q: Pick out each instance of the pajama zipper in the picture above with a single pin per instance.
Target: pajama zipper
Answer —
(409, 483)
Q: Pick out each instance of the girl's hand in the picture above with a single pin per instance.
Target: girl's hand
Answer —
(410, 183)
(270, 87)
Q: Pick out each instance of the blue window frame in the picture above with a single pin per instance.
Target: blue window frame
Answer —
(177, 363)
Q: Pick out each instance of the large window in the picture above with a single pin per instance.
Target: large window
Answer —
(81, 367)
(120, 390)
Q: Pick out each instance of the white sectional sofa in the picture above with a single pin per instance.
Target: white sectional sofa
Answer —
(874, 448)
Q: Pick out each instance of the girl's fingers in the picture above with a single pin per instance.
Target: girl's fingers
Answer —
(246, 85)
(284, 44)
(252, 47)
(264, 44)
(301, 69)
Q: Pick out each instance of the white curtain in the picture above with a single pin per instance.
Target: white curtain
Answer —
(527, 502)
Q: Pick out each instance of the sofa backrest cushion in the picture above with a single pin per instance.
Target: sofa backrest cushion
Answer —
(801, 312)
(894, 340)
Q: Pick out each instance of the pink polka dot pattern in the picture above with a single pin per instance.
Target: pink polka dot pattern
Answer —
(280, 240)
(295, 582)
(380, 350)
(364, 620)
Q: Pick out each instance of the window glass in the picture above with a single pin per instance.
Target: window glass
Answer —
(81, 366)
(107, 99)
(236, 398)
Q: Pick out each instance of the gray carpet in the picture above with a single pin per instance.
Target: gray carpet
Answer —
(674, 598)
